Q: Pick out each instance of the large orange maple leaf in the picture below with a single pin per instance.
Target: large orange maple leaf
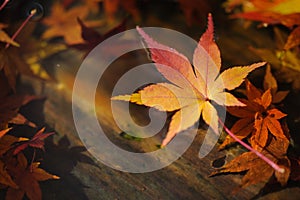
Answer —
(192, 91)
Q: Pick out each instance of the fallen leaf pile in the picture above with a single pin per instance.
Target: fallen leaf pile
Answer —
(18, 177)
(26, 178)
(261, 124)
(192, 90)
(20, 54)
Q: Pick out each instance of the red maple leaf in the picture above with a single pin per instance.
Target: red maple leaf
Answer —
(92, 38)
(36, 142)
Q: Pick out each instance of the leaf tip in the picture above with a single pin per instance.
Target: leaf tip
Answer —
(210, 27)
(166, 141)
(260, 64)
(23, 139)
(163, 144)
(210, 19)
(55, 177)
(281, 170)
(121, 98)
(42, 130)
(213, 174)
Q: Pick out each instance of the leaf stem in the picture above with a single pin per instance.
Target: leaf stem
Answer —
(32, 160)
(32, 13)
(3, 4)
(260, 155)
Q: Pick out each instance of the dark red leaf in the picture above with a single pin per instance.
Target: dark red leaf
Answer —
(92, 38)
(36, 142)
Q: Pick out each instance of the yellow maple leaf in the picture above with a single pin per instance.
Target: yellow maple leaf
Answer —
(191, 92)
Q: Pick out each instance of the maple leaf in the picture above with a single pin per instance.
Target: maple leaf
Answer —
(10, 106)
(5, 38)
(92, 38)
(5, 178)
(5, 144)
(63, 23)
(286, 63)
(275, 54)
(37, 141)
(27, 177)
(256, 169)
(271, 83)
(191, 92)
(258, 118)
(7, 141)
(12, 64)
(3, 132)
(293, 39)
